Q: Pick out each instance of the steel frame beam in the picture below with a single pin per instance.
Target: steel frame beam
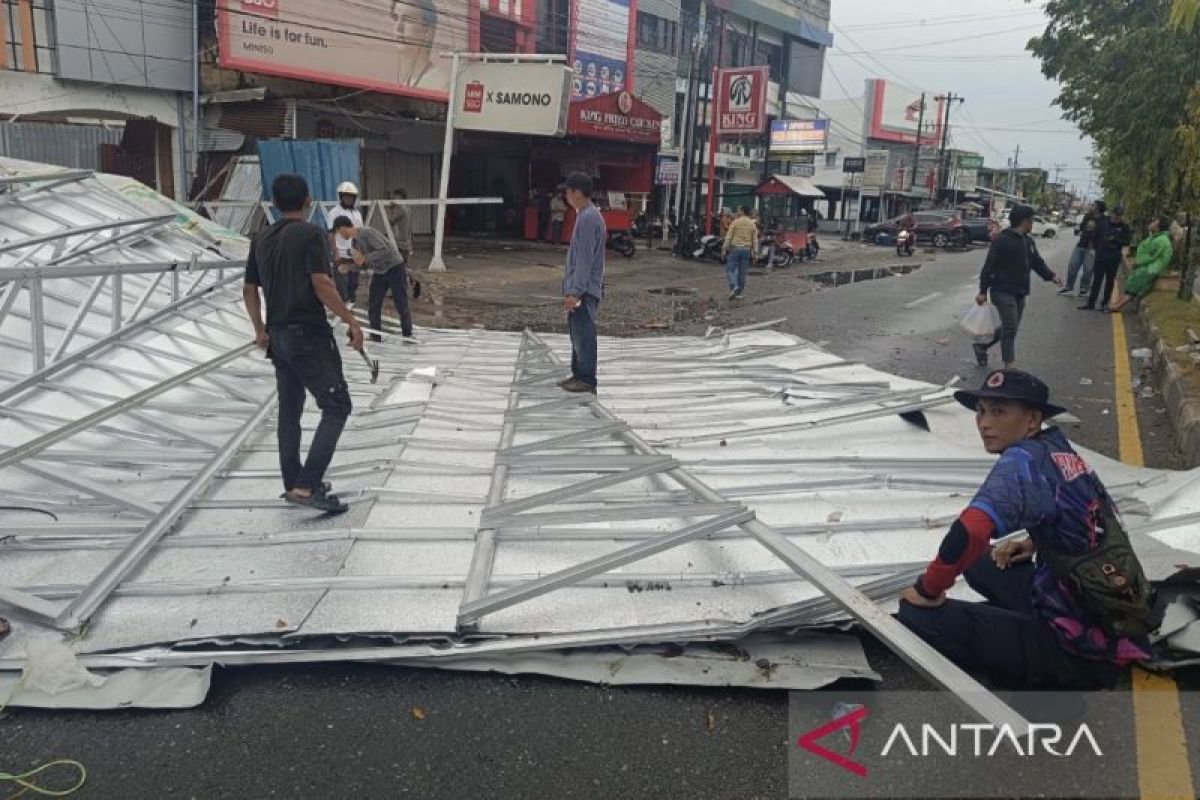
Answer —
(902, 641)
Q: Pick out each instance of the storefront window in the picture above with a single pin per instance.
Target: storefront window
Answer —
(657, 34)
(17, 28)
(772, 56)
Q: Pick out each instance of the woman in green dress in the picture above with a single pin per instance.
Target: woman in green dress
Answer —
(1153, 257)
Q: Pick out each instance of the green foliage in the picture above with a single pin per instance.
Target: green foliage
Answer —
(1127, 72)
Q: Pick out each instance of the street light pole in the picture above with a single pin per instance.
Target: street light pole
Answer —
(944, 164)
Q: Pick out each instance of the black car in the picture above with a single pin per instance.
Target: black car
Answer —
(937, 227)
(981, 229)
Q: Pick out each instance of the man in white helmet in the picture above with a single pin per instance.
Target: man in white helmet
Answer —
(345, 271)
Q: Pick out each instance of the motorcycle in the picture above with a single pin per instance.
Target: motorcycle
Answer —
(622, 242)
(905, 242)
(710, 247)
(775, 251)
(689, 244)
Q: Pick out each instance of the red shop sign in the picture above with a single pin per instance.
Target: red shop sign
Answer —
(618, 116)
(742, 100)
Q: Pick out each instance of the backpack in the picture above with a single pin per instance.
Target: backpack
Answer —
(1109, 581)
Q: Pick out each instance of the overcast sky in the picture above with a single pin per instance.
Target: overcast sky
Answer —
(974, 49)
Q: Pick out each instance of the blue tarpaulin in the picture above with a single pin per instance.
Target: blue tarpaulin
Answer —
(324, 163)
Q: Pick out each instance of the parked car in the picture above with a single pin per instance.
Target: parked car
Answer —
(981, 229)
(939, 228)
(1044, 228)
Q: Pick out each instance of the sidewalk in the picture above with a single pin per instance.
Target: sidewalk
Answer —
(511, 285)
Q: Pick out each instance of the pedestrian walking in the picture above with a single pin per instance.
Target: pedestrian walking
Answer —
(1049, 622)
(739, 244)
(1113, 235)
(376, 257)
(1005, 278)
(558, 216)
(288, 265)
(1153, 256)
(1083, 256)
(583, 283)
(345, 272)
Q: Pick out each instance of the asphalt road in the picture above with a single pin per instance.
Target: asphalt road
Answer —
(351, 730)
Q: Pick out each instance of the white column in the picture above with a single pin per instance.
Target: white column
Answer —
(437, 263)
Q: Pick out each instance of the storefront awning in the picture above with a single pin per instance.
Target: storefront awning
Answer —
(789, 184)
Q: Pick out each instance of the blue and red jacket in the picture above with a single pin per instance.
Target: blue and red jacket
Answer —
(1040, 485)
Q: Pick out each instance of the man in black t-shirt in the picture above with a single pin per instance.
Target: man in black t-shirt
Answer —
(289, 264)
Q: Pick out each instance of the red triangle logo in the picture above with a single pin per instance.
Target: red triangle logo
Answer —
(809, 740)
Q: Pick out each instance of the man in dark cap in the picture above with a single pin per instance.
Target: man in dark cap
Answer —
(1005, 278)
(1072, 617)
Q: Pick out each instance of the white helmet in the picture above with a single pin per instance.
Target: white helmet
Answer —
(346, 187)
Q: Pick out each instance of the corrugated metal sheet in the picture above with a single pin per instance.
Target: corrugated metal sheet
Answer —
(244, 183)
(73, 146)
(385, 170)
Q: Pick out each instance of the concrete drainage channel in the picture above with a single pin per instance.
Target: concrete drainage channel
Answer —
(848, 276)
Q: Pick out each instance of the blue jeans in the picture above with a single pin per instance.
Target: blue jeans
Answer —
(307, 359)
(737, 263)
(1080, 266)
(582, 324)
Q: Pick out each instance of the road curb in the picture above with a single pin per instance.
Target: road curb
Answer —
(1182, 409)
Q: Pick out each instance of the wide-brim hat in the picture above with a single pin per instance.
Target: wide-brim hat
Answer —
(1011, 384)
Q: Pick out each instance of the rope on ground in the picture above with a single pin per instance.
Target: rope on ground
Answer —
(22, 779)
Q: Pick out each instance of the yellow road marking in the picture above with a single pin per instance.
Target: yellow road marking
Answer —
(1164, 772)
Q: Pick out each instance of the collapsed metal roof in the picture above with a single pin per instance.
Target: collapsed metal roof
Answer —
(746, 481)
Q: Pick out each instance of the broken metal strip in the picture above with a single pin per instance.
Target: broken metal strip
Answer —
(471, 613)
(497, 513)
(823, 422)
(81, 608)
(96, 269)
(915, 651)
(14, 454)
(147, 227)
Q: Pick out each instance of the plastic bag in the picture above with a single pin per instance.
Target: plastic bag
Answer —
(51, 667)
(981, 321)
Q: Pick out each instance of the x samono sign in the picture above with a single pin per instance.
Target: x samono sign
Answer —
(513, 98)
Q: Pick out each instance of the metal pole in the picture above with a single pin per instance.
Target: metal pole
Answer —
(195, 91)
(37, 324)
(437, 263)
(713, 104)
(917, 148)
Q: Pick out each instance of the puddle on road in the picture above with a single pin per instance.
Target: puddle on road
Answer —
(847, 276)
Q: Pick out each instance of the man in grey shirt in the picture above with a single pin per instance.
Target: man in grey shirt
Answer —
(583, 283)
(375, 255)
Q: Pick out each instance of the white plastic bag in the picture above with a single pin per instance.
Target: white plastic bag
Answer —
(981, 321)
(51, 667)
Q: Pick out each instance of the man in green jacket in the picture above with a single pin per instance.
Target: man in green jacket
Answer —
(1153, 257)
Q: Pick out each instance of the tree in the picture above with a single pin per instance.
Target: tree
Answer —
(1128, 75)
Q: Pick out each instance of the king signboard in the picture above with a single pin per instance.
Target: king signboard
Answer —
(741, 100)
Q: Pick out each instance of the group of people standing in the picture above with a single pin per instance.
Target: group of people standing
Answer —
(1104, 241)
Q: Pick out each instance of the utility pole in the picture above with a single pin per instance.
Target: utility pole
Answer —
(1012, 172)
(949, 99)
(687, 135)
(917, 147)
